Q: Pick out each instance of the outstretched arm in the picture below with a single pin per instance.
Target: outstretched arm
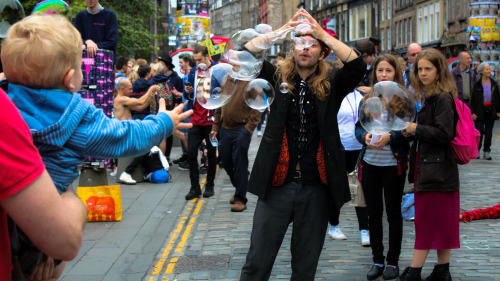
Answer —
(140, 103)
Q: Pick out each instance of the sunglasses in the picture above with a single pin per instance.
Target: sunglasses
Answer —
(412, 55)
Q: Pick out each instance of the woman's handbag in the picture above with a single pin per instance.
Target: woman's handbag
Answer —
(355, 187)
(357, 195)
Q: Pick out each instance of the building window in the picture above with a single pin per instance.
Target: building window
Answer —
(382, 10)
(382, 39)
(346, 33)
(406, 31)
(359, 22)
(376, 16)
(411, 30)
(389, 9)
(352, 23)
(389, 39)
(428, 19)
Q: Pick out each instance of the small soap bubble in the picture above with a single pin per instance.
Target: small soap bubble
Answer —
(263, 28)
(259, 94)
(284, 88)
(50, 7)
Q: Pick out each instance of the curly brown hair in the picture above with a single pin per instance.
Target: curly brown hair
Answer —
(319, 83)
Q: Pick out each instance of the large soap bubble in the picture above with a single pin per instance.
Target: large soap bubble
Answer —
(246, 65)
(221, 88)
(50, 7)
(389, 107)
(259, 94)
(242, 37)
(11, 11)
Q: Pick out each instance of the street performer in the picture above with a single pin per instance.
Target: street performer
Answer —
(299, 171)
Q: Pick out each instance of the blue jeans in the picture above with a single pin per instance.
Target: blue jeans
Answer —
(233, 149)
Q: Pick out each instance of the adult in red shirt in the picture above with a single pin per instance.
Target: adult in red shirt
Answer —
(53, 222)
(202, 120)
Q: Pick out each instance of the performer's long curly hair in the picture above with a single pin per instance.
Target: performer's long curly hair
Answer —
(319, 83)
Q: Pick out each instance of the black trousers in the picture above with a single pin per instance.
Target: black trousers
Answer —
(308, 207)
(233, 149)
(351, 157)
(382, 183)
(168, 149)
(196, 135)
(485, 127)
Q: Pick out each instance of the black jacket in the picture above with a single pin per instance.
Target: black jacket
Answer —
(437, 169)
(367, 79)
(476, 100)
(342, 82)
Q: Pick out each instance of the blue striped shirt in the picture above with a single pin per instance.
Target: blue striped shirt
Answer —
(66, 129)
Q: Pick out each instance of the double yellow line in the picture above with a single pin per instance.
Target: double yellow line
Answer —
(176, 241)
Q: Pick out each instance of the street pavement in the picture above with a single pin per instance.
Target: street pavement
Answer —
(164, 237)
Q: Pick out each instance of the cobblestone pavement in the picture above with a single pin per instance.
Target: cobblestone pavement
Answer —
(163, 237)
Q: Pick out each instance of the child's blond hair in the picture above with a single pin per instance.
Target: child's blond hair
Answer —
(39, 50)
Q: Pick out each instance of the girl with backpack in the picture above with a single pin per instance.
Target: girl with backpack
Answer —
(433, 168)
(485, 107)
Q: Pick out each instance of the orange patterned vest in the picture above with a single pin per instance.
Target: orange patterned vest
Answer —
(283, 162)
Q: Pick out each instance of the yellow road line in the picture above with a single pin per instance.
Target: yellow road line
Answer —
(496, 136)
(174, 237)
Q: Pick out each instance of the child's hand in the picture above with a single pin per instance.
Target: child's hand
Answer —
(177, 116)
(43, 271)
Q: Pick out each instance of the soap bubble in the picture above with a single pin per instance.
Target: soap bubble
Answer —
(284, 88)
(201, 71)
(11, 11)
(242, 37)
(50, 7)
(303, 28)
(389, 107)
(263, 28)
(246, 66)
(221, 88)
(259, 94)
(303, 42)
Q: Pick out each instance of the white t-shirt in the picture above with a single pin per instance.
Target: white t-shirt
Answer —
(347, 118)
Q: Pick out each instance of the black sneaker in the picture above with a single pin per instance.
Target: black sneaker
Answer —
(183, 158)
(193, 193)
(184, 166)
(375, 272)
(391, 272)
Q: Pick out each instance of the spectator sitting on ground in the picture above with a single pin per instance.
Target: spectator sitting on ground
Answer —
(65, 127)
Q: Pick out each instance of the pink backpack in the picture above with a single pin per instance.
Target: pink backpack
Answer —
(466, 141)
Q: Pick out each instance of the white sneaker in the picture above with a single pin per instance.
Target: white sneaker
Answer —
(113, 173)
(336, 233)
(259, 133)
(127, 179)
(365, 237)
